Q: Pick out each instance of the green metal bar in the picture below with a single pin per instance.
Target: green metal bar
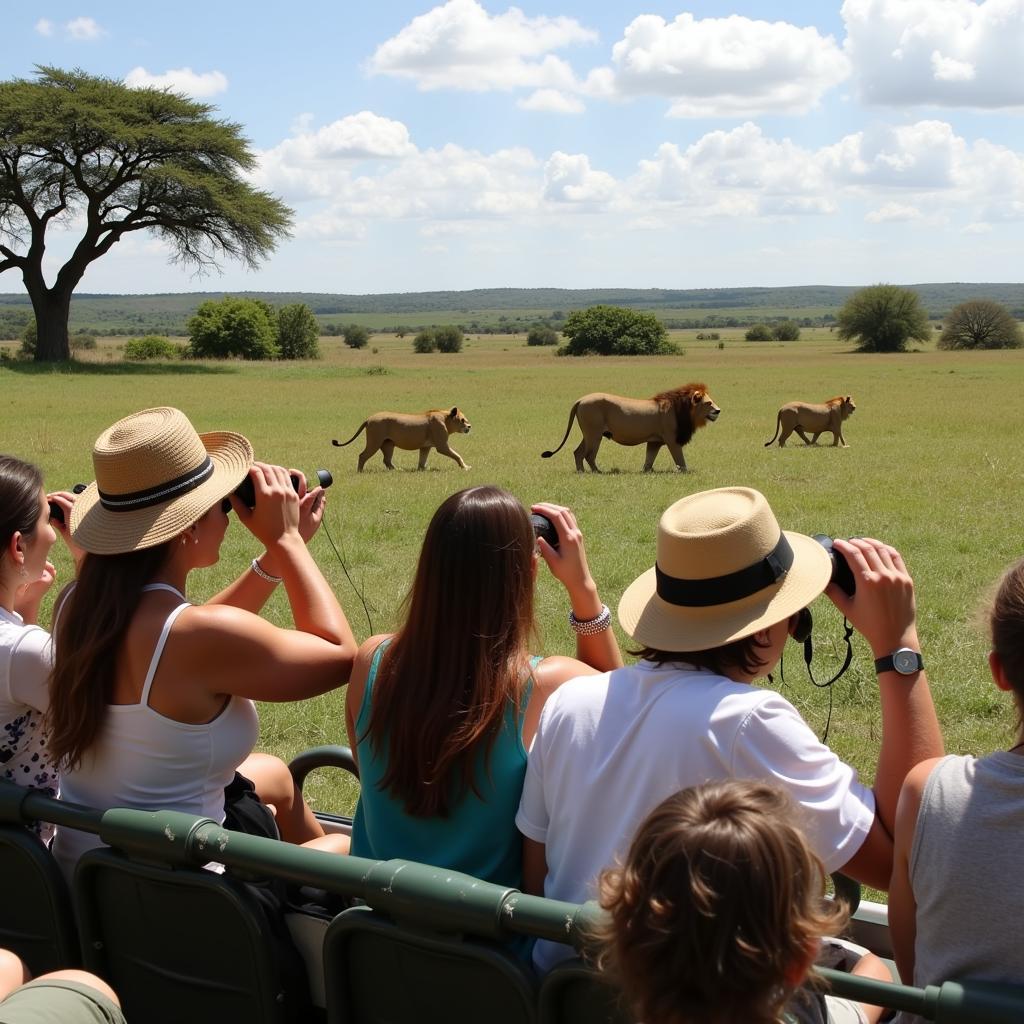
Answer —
(880, 993)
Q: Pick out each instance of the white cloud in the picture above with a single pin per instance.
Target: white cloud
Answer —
(552, 101)
(726, 67)
(569, 178)
(460, 46)
(85, 29)
(44, 27)
(893, 212)
(183, 80)
(978, 228)
(937, 52)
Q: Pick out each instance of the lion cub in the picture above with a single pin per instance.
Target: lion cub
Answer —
(817, 419)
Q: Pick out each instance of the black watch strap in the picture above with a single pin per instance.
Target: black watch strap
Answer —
(907, 664)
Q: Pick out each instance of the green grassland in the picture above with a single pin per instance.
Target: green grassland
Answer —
(934, 466)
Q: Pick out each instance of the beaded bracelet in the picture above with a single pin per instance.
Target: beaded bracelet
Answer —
(591, 627)
(262, 573)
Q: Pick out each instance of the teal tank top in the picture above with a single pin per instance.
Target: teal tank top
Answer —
(479, 836)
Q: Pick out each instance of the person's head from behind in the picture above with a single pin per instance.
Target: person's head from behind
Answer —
(25, 533)
(458, 658)
(717, 912)
(158, 489)
(726, 587)
(1006, 628)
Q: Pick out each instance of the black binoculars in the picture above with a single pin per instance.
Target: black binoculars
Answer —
(842, 575)
(543, 527)
(56, 512)
(246, 492)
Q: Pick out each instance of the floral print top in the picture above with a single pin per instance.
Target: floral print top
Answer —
(26, 658)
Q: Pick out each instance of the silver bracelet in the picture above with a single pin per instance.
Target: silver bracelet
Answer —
(262, 573)
(591, 627)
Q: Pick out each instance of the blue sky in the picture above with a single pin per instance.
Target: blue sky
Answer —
(473, 144)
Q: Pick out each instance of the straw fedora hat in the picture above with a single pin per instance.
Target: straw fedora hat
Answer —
(724, 570)
(155, 476)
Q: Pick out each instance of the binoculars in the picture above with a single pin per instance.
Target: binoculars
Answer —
(543, 527)
(56, 512)
(842, 575)
(246, 492)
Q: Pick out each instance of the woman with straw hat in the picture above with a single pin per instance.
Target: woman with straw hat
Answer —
(711, 616)
(152, 697)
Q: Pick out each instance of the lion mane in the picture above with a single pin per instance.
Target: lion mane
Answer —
(682, 402)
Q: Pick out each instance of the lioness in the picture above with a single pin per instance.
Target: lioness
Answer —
(817, 419)
(387, 431)
(668, 419)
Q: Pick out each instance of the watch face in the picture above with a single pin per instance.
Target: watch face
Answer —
(905, 661)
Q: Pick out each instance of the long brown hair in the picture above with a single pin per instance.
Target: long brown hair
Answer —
(454, 667)
(90, 631)
(719, 900)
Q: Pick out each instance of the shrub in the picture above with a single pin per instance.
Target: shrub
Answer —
(786, 331)
(759, 332)
(448, 338)
(980, 323)
(542, 335)
(29, 337)
(615, 330)
(298, 332)
(82, 341)
(246, 328)
(356, 336)
(152, 346)
(424, 342)
(883, 318)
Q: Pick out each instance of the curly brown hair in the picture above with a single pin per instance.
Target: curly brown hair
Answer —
(719, 899)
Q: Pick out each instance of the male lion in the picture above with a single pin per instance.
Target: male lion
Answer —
(387, 431)
(669, 418)
(817, 419)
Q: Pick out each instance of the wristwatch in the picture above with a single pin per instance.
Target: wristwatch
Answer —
(905, 660)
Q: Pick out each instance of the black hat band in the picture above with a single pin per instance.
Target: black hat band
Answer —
(158, 495)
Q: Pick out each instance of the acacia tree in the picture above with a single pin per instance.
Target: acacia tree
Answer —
(83, 149)
(883, 318)
(980, 323)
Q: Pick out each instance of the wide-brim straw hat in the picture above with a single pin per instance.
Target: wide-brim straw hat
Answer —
(155, 476)
(724, 571)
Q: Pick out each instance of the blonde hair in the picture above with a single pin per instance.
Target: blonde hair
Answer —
(719, 898)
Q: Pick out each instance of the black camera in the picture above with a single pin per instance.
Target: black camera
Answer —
(842, 575)
(246, 491)
(56, 512)
(543, 527)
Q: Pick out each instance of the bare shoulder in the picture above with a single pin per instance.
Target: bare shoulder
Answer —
(910, 797)
(551, 672)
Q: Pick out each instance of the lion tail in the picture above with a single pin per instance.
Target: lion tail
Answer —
(341, 444)
(778, 427)
(568, 427)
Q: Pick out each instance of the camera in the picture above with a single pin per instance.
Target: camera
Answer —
(246, 492)
(842, 575)
(543, 527)
(56, 512)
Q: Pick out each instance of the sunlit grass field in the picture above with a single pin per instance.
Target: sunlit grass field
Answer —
(934, 466)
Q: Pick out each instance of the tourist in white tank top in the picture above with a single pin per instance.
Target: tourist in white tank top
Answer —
(152, 697)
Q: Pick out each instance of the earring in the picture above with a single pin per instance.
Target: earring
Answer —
(195, 538)
(183, 540)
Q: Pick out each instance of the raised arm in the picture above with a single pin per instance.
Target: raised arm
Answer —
(568, 564)
(883, 611)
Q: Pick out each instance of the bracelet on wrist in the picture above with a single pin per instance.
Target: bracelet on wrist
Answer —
(262, 573)
(591, 627)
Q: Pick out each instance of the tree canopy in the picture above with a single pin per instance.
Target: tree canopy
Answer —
(883, 318)
(356, 336)
(614, 330)
(246, 328)
(77, 148)
(980, 323)
(298, 332)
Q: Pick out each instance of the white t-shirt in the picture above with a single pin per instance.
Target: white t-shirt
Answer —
(610, 748)
(26, 659)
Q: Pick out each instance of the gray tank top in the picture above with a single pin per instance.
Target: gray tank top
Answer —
(965, 871)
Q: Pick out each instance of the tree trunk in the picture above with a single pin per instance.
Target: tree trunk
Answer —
(52, 308)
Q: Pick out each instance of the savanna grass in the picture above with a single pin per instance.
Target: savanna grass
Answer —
(933, 467)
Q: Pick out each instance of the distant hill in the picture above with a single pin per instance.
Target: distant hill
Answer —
(491, 308)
